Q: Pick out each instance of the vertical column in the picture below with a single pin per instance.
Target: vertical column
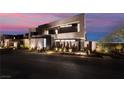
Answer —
(56, 33)
(44, 42)
(78, 27)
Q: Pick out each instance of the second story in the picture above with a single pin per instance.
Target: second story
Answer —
(65, 28)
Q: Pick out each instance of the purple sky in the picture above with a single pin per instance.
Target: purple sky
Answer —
(98, 24)
(14, 23)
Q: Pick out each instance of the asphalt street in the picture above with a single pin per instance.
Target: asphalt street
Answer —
(31, 65)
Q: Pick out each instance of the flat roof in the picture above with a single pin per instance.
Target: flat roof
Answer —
(74, 19)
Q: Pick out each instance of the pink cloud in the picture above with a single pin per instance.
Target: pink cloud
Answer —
(14, 26)
(20, 22)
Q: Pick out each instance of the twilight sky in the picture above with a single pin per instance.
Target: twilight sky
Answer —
(14, 23)
(98, 24)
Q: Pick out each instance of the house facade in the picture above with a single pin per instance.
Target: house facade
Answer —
(62, 35)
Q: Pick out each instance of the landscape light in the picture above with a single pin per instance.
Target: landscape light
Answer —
(70, 50)
(50, 52)
(60, 50)
(56, 49)
(98, 49)
(106, 50)
(119, 47)
(80, 53)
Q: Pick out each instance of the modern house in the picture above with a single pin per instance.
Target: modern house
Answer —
(65, 35)
(62, 35)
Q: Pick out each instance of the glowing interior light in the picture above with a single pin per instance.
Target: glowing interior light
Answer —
(46, 32)
(56, 31)
(15, 44)
(57, 40)
(62, 26)
(72, 40)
